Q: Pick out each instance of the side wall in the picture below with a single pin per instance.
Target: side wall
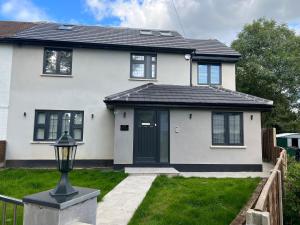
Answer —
(6, 52)
(95, 74)
(228, 75)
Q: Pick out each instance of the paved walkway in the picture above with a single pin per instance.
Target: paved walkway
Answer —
(267, 167)
(119, 205)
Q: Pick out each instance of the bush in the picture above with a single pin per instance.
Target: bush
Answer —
(292, 194)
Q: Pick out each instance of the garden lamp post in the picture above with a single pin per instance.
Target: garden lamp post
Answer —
(65, 151)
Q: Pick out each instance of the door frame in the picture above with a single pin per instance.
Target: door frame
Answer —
(156, 109)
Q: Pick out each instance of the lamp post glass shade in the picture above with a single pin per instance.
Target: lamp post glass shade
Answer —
(65, 152)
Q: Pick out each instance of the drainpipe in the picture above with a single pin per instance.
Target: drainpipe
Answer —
(191, 72)
(191, 69)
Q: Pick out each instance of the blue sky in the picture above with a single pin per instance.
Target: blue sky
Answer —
(221, 19)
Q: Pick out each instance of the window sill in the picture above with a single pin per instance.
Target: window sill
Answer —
(228, 147)
(51, 142)
(56, 75)
(142, 79)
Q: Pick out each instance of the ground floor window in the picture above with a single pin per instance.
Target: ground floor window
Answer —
(49, 125)
(227, 128)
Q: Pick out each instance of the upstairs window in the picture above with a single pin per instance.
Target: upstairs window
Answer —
(57, 61)
(209, 74)
(51, 124)
(143, 66)
(227, 128)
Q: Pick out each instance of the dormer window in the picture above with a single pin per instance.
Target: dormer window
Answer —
(209, 74)
(57, 61)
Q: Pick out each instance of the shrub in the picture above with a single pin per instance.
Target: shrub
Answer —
(292, 194)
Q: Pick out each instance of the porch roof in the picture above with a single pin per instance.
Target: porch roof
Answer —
(186, 96)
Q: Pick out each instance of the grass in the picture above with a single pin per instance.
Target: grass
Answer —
(194, 201)
(21, 182)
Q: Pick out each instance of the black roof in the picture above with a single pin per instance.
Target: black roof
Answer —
(212, 47)
(110, 37)
(187, 96)
(105, 36)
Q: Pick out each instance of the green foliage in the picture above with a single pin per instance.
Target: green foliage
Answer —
(21, 182)
(193, 201)
(292, 194)
(270, 68)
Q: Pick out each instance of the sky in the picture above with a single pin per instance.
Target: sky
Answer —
(215, 19)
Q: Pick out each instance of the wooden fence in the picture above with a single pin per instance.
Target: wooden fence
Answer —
(269, 152)
(268, 208)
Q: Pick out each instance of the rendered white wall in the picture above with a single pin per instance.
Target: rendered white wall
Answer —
(96, 74)
(5, 75)
(193, 143)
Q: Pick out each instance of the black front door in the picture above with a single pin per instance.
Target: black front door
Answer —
(151, 136)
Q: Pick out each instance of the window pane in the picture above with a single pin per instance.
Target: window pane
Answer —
(234, 129)
(77, 134)
(40, 134)
(50, 61)
(53, 123)
(138, 57)
(215, 74)
(218, 129)
(138, 70)
(78, 118)
(153, 71)
(164, 136)
(65, 62)
(202, 74)
(153, 58)
(66, 121)
(41, 118)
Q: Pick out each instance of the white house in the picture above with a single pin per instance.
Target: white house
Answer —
(130, 97)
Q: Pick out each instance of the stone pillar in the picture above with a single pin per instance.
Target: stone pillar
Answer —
(254, 217)
(43, 209)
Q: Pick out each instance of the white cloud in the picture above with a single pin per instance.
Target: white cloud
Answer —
(221, 19)
(22, 10)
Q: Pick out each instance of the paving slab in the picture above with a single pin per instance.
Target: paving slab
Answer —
(119, 205)
(169, 171)
(267, 167)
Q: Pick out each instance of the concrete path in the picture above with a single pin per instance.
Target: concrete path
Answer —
(267, 167)
(168, 171)
(119, 205)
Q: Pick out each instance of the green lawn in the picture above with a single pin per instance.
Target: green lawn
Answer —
(21, 182)
(194, 201)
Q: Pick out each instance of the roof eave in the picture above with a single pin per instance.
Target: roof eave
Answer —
(255, 107)
(94, 45)
(216, 57)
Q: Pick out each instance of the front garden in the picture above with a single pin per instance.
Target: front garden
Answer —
(178, 200)
(194, 201)
(21, 182)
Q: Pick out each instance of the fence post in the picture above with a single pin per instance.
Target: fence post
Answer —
(42, 208)
(2, 153)
(254, 217)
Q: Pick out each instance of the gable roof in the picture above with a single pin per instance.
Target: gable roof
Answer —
(187, 96)
(10, 28)
(103, 36)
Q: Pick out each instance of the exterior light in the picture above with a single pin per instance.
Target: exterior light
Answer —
(65, 151)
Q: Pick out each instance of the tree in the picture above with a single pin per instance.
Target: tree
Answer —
(270, 68)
